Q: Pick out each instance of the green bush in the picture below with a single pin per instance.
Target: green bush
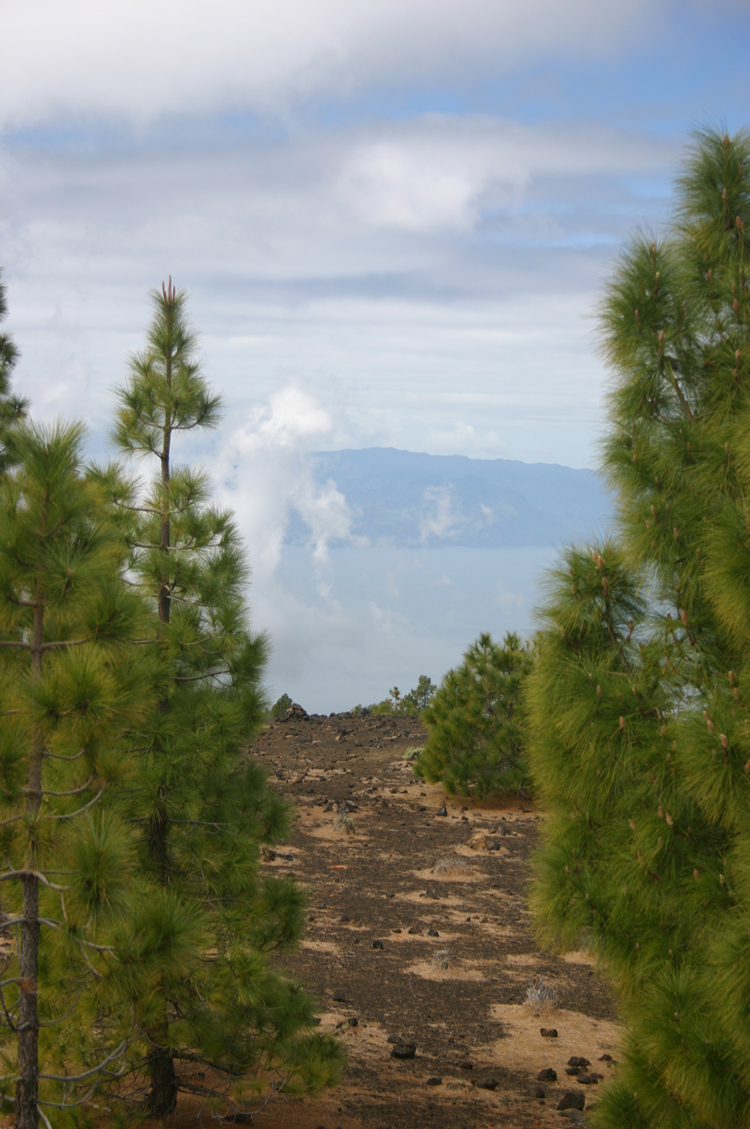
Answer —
(278, 709)
(476, 738)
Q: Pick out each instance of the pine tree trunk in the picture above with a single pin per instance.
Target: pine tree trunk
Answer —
(27, 1087)
(162, 1095)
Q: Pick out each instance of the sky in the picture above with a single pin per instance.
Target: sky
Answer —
(393, 218)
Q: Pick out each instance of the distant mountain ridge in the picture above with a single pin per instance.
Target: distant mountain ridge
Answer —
(411, 500)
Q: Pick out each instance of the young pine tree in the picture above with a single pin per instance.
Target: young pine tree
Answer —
(640, 698)
(199, 803)
(71, 685)
(476, 739)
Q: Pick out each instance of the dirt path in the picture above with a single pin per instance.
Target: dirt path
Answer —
(457, 953)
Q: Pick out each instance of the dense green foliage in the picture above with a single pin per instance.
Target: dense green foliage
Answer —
(72, 686)
(200, 982)
(476, 735)
(639, 699)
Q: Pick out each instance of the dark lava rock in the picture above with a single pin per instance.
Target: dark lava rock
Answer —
(573, 1070)
(415, 931)
(547, 1075)
(539, 1093)
(330, 807)
(350, 805)
(573, 1099)
(442, 810)
(466, 1065)
(377, 944)
(295, 713)
(435, 1081)
(588, 1079)
(491, 844)
(353, 1021)
(404, 1050)
(432, 933)
(578, 1060)
(605, 1058)
(487, 1084)
(394, 1039)
(339, 997)
(548, 1032)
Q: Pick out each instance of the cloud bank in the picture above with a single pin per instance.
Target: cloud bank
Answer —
(138, 60)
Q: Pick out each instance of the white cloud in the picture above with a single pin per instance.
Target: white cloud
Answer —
(442, 521)
(266, 474)
(465, 439)
(139, 59)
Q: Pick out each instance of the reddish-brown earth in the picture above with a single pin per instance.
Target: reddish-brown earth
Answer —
(397, 872)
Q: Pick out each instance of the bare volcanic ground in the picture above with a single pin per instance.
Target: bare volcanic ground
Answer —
(419, 933)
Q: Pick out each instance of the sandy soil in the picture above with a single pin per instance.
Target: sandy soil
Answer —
(459, 995)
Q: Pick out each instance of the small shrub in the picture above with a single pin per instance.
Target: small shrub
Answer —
(442, 959)
(476, 734)
(445, 866)
(344, 823)
(278, 710)
(541, 998)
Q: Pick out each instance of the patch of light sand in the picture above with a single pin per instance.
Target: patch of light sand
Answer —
(524, 1048)
(427, 970)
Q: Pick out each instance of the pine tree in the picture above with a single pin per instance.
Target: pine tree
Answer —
(639, 700)
(475, 740)
(70, 688)
(12, 408)
(199, 803)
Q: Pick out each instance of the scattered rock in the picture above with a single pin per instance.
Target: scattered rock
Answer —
(295, 713)
(589, 1079)
(442, 810)
(353, 1021)
(487, 1084)
(476, 842)
(404, 1050)
(466, 1065)
(578, 1060)
(436, 1080)
(339, 997)
(573, 1099)
(377, 944)
(415, 931)
(432, 932)
(574, 1115)
(606, 1058)
(330, 807)
(547, 1075)
(539, 1093)
(394, 1039)
(349, 805)
(574, 1071)
(548, 1032)
(491, 844)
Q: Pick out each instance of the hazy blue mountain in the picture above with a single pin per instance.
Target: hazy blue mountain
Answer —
(408, 500)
